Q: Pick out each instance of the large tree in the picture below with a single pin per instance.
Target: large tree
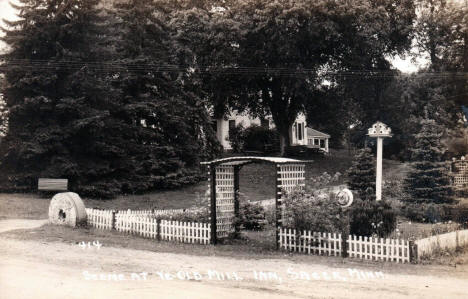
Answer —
(271, 57)
(61, 109)
(78, 109)
(173, 124)
(442, 34)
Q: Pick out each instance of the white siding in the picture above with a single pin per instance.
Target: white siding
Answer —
(222, 127)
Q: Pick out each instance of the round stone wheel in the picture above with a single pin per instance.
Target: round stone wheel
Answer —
(344, 197)
(67, 208)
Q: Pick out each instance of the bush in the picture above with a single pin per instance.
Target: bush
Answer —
(257, 138)
(372, 218)
(251, 215)
(253, 138)
(299, 151)
(236, 138)
(434, 213)
(200, 215)
(361, 174)
(460, 215)
(304, 211)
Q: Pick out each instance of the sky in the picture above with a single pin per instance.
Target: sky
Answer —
(404, 64)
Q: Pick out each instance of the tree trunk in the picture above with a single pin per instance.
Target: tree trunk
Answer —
(284, 141)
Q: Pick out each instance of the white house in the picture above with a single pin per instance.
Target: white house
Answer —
(317, 139)
(298, 132)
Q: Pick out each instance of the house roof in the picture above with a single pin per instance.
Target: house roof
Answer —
(250, 159)
(314, 133)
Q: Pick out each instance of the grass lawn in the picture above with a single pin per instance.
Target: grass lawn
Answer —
(257, 182)
(23, 206)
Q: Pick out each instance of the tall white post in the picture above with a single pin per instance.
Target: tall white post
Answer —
(378, 177)
(380, 131)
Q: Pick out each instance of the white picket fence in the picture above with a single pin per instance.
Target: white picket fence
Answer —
(186, 232)
(101, 219)
(448, 241)
(144, 223)
(170, 212)
(394, 250)
(310, 242)
(379, 249)
(144, 226)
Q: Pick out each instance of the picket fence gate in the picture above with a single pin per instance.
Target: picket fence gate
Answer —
(102, 219)
(379, 249)
(310, 242)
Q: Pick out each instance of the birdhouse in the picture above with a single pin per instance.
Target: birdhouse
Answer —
(379, 129)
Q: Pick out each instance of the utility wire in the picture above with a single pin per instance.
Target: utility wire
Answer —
(118, 67)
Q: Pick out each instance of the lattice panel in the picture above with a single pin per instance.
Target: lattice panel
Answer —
(289, 176)
(460, 173)
(224, 200)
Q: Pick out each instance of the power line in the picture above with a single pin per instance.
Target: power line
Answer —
(118, 67)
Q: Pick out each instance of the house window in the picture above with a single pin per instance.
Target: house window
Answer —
(299, 130)
(322, 143)
(232, 126)
(316, 141)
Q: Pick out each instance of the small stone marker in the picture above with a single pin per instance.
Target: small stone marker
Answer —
(67, 208)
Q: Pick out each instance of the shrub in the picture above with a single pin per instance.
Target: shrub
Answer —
(304, 211)
(372, 218)
(435, 213)
(460, 215)
(361, 175)
(251, 215)
(256, 138)
(393, 189)
(236, 138)
(200, 215)
(427, 213)
(253, 138)
(270, 214)
(200, 212)
(296, 151)
(427, 180)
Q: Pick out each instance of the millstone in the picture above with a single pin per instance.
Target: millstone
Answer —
(67, 208)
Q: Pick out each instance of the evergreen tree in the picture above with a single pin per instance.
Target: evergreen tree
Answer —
(361, 175)
(427, 181)
(73, 114)
(171, 122)
(61, 108)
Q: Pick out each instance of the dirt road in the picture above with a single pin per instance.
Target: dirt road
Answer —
(31, 269)
(12, 224)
